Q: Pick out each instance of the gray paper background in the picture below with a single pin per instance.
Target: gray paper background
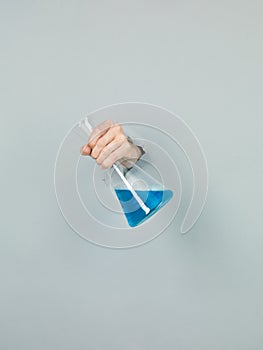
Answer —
(202, 60)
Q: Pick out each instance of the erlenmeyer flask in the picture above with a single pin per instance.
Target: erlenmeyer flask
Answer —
(152, 193)
(139, 194)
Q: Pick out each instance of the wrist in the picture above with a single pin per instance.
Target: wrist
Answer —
(135, 154)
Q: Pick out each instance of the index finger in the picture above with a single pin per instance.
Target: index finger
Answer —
(99, 131)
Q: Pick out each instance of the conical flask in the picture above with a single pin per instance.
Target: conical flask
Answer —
(151, 192)
(140, 195)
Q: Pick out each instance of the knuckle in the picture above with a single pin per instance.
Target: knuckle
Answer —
(122, 138)
(105, 165)
(99, 127)
(105, 125)
(103, 129)
(118, 127)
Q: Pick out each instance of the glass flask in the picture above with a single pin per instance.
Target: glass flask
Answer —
(139, 194)
(140, 184)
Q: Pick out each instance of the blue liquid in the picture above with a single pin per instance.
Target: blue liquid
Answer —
(154, 199)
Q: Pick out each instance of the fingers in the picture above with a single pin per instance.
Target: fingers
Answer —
(111, 147)
(95, 134)
(117, 154)
(99, 131)
(85, 150)
(107, 144)
(114, 133)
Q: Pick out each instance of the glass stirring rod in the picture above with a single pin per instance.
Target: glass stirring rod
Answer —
(116, 168)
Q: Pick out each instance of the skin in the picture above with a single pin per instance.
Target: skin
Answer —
(108, 143)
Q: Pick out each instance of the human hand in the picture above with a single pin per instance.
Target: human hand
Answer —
(108, 143)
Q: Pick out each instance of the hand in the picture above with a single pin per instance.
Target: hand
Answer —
(107, 144)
